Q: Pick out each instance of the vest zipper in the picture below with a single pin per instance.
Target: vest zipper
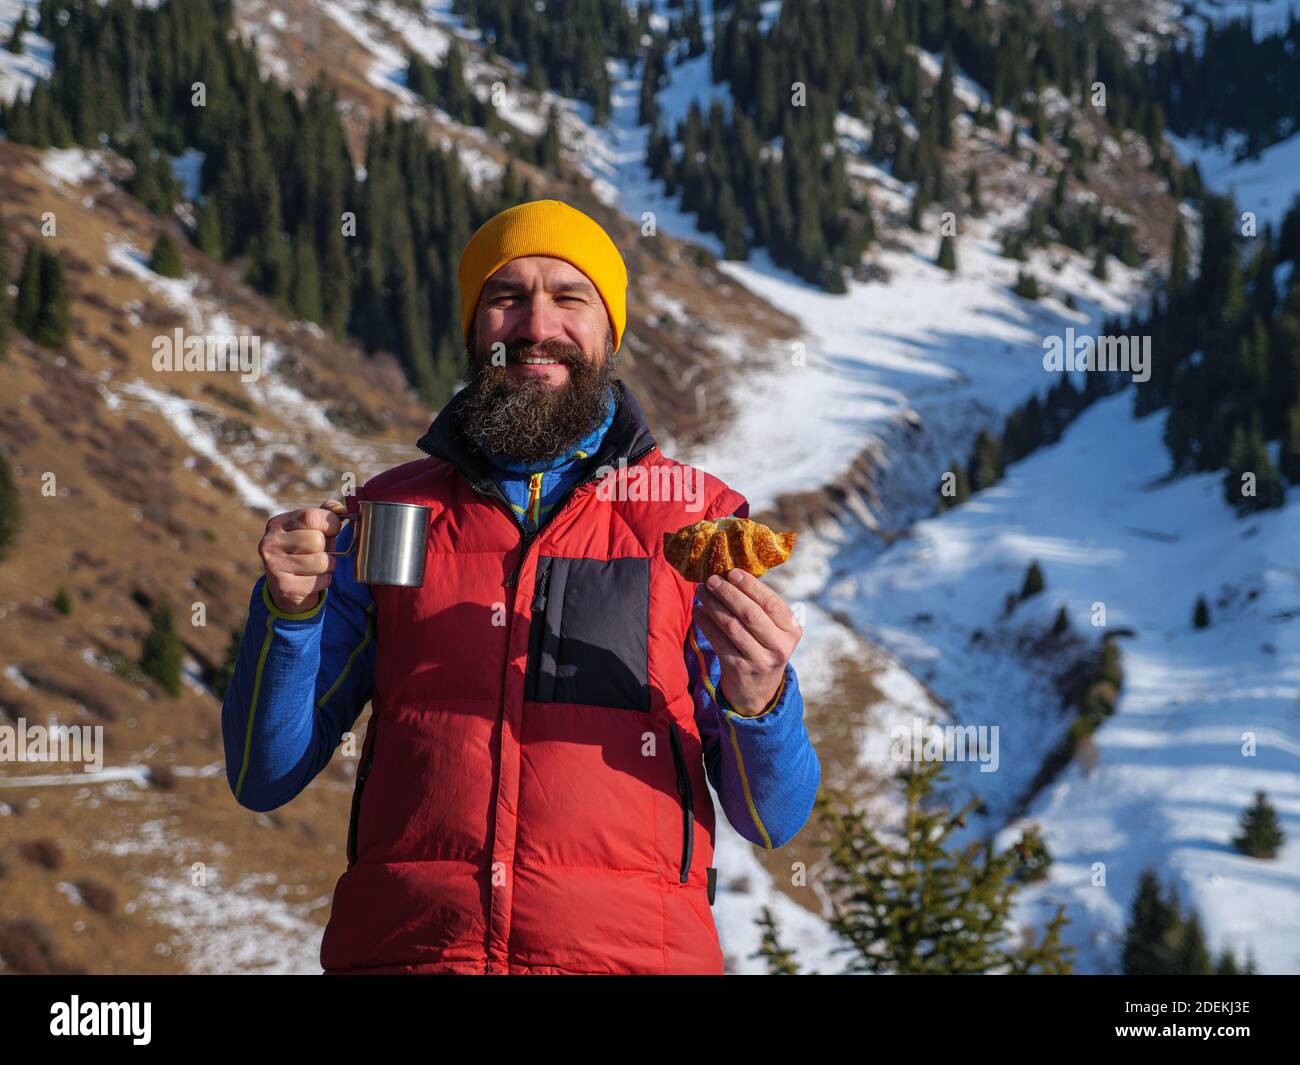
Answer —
(354, 820)
(539, 594)
(493, 491)
(688, 807)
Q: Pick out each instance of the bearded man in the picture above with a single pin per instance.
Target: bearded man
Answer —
(549, 706)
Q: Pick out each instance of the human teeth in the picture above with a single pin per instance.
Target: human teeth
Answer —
(531, 360)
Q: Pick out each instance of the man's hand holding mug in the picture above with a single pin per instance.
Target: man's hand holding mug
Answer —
(294, 554)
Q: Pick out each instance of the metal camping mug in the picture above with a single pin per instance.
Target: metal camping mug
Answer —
(389, 540)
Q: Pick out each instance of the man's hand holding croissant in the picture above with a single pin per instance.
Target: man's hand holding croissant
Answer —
(752, 631)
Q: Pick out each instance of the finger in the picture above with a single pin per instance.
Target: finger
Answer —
(313, 518)
(761, 628)
(302, 542)
(307, 565)
(773, 605)
(722, 647)
(733, 627)
(335, 507)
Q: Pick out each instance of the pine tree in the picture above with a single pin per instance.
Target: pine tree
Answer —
(1289, 460)
(53, 320)
(780, 959)
(946, 105)
(1252, 482)
(221, 678)
(1026, 286)
(947, 259)
(11, 512)
(166, 257)
(1061, 623)
(5, 312)
(305, 295)
(16, 38)
(162, 653)
(1261, 832)
(1178, 258)
(1193, 956)
(1226, 965)
(1033, 583)
(1201, 614)
(916, 904)
(1151, 940)
(62, 601)
(1099, 270)
(27, 306)
(986, 462)
(960, 487)
(207, 234)
(547, 152)
(1033, 859)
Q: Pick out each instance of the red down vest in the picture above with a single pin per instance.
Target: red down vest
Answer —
(531, 796)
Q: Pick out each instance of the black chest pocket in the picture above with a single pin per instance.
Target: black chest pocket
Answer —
(588, 640)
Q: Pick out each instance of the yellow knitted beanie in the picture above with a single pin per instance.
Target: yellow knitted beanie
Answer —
(544, 227)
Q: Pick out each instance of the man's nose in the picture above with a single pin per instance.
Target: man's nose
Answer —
(539, 321)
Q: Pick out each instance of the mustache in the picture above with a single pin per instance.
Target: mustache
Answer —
(569, 354)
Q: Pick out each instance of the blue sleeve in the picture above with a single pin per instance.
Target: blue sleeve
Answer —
(300, 682)
(764, 768)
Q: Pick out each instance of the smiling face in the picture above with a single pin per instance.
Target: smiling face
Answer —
(540, 356)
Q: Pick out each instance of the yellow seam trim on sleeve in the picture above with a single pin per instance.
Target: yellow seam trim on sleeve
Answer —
(744, 782)
(347, 666)
(735, 743)
(767, 709)
(252, 709)
(306, 615)
(704, 673)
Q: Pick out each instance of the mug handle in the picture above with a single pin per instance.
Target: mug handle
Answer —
(344, 516)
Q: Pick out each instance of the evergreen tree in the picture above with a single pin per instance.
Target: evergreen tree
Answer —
(16, 38)
(947, 259)
(1251, 482)
(221, 678)
(1193, 956)
(1178, 258)
(1033, 859)
(1150, 943)
(1026, 286)
(1261, 832)
(166, 257)
(207, 234)
(62, 601)
(960, 487)
(1201, 615)
(53, 320)
(27, 305)
(1290, 455)
(1099, 270)
(5, 313)
(946, 104)
(780, 959)
(1061, 623)
(1033, 583)
(986, 462)
(1226, 965)
(916, 904)
(547, 153)
(162, 653)
(11, 512)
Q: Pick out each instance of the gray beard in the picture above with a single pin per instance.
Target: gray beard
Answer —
(532, 420)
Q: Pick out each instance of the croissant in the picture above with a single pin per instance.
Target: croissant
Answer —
(720, 544)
